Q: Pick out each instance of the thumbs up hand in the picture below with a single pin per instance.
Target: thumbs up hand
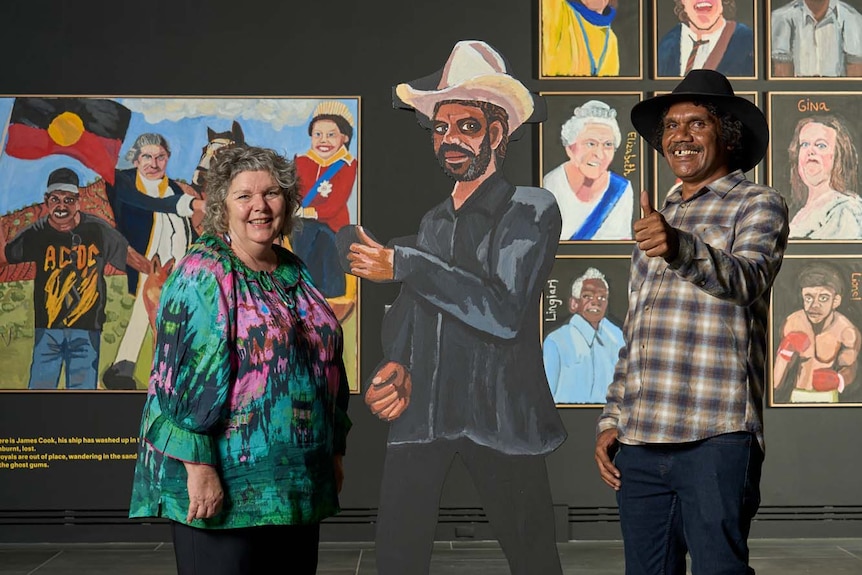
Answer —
(646, 203)
(654, 236)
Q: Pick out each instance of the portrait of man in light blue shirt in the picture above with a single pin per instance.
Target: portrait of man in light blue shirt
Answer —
(580, 355)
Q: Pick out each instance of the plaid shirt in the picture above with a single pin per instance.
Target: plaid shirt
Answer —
(694, 362)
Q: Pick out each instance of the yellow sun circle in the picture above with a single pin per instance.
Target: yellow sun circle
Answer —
(66, 129)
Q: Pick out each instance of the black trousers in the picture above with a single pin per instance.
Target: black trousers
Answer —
(515, 494)
(283, 549)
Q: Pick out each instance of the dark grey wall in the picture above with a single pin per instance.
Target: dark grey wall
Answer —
(339, 47)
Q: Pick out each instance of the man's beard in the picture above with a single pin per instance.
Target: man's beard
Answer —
(478, 163)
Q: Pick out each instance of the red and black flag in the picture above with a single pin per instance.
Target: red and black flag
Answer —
(90, 130)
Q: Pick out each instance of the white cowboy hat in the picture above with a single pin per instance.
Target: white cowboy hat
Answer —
(473, 72)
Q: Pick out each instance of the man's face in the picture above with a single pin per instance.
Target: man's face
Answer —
(819, 302)
(816, 154)
(152, 162)
(62, 208)
(462, 141)
(592, 304)
(592, 150)
(326, 138)
(704, 15)
(692, 145)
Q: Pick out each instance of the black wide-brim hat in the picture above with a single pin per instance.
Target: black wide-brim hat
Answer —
(707, 86)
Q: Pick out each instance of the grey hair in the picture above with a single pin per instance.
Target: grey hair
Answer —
(592, 112)
(147, 139)
(590, 274)
(228, 164)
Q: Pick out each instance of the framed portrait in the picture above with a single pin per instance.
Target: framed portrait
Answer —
(815, 332)
(664, 179)
(584, 305)
(579, 39)
(101, 196)
(814, 163)
(802, 43)
(712, 34)
(591, 160)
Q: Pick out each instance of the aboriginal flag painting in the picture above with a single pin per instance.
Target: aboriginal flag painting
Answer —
(90, 130)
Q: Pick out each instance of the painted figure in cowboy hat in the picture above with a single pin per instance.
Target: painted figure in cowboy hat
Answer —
(684, 413)
(462, 370)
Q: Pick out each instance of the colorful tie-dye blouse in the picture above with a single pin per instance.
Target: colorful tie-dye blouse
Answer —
(234, 386)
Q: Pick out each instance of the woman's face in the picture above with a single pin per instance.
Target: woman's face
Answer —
(326, 138)
(816, 153)
(592, 150)
(255, 210)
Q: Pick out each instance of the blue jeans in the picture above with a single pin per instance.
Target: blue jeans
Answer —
(699, 496)
(75, 349)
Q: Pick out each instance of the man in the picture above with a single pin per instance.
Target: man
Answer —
(577, 39)
(580, 355)
(71, 249)
(685, 408)
(819, 346)
(595, 203)
(812, 38)
(462, 372)
(154, 214)
(706, 37)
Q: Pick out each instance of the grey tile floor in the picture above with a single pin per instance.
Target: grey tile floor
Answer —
(768, 557)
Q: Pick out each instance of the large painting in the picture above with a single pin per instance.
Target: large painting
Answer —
(100, 197)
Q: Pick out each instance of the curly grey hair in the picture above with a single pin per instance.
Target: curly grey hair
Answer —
(592, 112)
(147, 139)
(590, 274)
(230, 162)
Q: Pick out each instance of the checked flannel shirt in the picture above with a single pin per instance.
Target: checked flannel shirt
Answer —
(694, 361)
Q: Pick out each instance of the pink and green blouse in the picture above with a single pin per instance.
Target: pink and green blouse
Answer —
(248, 377)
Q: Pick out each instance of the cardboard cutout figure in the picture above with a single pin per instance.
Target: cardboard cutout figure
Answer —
(462, 372)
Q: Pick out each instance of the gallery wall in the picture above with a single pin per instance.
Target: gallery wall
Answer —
(341, 48)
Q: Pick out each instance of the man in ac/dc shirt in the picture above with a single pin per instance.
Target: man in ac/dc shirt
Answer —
(70, 249)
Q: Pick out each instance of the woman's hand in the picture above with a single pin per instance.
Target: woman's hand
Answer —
(205, 491)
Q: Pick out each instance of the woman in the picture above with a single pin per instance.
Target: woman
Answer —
(823, 180)
(245, 421)
(595, 202)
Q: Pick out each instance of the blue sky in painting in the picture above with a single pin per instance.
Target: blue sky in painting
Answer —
(278, 123)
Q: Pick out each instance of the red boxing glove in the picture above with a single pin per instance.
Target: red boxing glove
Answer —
(793, 343)
(825, 379)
